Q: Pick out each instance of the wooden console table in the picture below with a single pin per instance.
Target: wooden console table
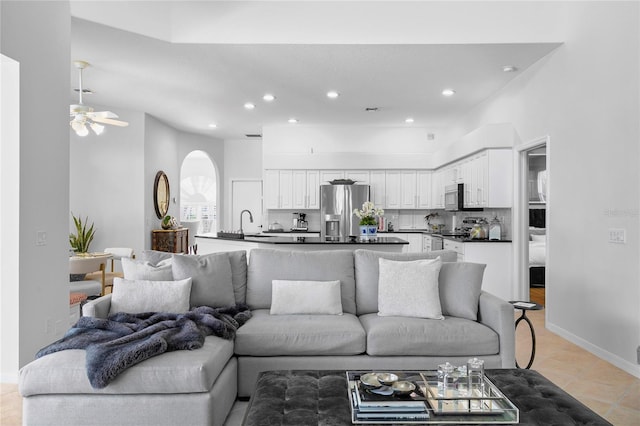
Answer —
(170, 240)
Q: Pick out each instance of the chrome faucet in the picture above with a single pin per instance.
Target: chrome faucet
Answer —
(250, 219)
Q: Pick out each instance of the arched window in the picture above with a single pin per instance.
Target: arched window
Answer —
(199, 191)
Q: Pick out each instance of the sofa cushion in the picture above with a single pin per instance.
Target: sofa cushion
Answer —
(211, 275)
(266, 265)
(145, 270)
(409, 289)
(172, 372)
(238, 261)
(305, 297)
(138, 296)
(154, 256)
(271, 335)
(367, 272)
(391, 336)
(460, 285)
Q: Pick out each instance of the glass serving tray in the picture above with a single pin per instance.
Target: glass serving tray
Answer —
(455, 406)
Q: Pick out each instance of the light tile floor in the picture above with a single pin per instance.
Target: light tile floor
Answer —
(607, 390)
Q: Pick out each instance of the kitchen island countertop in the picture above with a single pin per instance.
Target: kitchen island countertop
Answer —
(301, 239)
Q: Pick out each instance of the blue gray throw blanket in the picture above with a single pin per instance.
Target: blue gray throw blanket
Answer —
(123, 340)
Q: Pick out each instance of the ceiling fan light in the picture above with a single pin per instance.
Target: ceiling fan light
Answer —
(97, 128)
(80, 128)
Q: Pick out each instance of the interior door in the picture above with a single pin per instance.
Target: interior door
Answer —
(246, 195)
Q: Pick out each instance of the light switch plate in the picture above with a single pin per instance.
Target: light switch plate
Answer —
(617, 236)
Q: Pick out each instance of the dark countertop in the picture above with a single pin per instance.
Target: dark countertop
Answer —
(308, 240)
(469, 240)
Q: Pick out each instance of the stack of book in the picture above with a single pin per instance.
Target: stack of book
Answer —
(382, 405)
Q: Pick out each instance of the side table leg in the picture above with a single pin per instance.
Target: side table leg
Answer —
(533, 338)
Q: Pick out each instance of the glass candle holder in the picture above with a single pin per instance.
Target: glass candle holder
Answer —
(445, 378)
(475, 377)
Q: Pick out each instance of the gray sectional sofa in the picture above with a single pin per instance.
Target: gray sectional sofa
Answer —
(199, 387)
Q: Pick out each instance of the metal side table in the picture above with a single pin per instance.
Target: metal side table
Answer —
(524, 307)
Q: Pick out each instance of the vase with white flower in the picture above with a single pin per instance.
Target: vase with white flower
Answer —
(368, 222)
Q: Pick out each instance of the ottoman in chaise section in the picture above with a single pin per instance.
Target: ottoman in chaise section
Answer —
(202, 381)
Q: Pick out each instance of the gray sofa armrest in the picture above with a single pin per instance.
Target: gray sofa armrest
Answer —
(498, 315)
(98, 308)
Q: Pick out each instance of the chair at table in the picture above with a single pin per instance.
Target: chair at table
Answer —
(117, 253)
(96, 264)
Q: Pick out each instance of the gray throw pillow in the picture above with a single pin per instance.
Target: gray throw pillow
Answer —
(460, 285)
(154, 257)
(211, 275)
(143, 270)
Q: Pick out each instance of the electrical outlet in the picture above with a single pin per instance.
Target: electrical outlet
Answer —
(617, 236)
(41, 238)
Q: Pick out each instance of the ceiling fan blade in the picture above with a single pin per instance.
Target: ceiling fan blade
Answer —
(104, 114)
(110, 121)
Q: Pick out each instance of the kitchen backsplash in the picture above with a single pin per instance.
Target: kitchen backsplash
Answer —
(401, 219)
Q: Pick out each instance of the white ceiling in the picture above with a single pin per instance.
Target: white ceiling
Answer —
(191, 85)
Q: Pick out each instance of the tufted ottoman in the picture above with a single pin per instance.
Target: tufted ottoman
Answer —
(320, 398)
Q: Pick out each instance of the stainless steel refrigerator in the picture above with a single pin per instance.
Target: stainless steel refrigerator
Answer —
(337, 202)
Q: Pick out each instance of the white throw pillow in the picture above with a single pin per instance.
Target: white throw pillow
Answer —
(306, 297)
(138, 296)
(144, 270)
(409, 289)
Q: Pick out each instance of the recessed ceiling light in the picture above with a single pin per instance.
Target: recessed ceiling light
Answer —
(268, 97)
(332, 94)
(249, 105)
(409, 120)
(509, 68)
(213, 125)
(448, 92)
(293, 120)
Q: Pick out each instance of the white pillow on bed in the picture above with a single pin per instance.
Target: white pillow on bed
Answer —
(538, 238)
(138, 296)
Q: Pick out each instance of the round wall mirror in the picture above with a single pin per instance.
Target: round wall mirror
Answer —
(161, 194)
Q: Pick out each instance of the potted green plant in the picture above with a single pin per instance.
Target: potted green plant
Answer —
(367, 216)
(81, 240)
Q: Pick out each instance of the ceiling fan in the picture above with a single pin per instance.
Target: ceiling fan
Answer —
(83, 115)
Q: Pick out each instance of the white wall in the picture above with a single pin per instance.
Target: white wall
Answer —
(585, 97)
(243, 161)
(44, 57)
(160, 153)
(107, 181)
(9, 217)
(214, 148)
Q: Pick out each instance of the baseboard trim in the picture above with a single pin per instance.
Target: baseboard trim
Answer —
(614, 359)
(9, 378)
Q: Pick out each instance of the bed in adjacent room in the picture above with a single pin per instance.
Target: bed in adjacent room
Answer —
(537, 247)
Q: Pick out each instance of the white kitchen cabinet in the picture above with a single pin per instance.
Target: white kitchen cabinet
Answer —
(305, 189)
(426, 243)
(313, 189)
(393, 189)
(437, 190)
(499, 179)
(415, 243)
(457, 246)
(272, 189)
(360, 176)
(488, 180)
(286, 189)
(497, 278)
(414, 239)
(327, 176)
(408, 189)
(377, 189)
(423, 189)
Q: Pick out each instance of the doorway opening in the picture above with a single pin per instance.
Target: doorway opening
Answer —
(199, 193)
(532, 215)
